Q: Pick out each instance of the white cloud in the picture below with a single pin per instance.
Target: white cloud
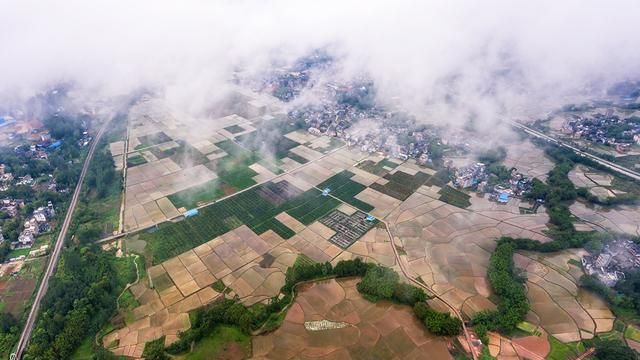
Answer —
(502, 55)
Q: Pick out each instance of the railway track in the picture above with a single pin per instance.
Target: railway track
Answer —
(57, 249)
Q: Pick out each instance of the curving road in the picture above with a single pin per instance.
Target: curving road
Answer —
(57, 249)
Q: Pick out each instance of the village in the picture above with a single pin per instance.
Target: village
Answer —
(610, 129)
(476, 177)
(617, 257)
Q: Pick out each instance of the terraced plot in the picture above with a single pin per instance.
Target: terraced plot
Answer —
(565, 311)
(246, 208)
(369, 331)
(449, 248)
(345, 189)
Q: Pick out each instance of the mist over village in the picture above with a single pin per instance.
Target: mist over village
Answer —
(319, 180)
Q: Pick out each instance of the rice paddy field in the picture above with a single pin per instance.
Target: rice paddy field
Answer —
(401, 185)
(454, 197)
(171, 239)
(380, 168)
(345, 189)
(373, 330)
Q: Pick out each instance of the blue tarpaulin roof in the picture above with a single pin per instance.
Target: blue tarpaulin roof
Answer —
(55, 145)
(504, 197)
(190, 213)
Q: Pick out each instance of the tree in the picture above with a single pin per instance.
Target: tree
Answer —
(379, 282)
(154, 350)
(614, 350)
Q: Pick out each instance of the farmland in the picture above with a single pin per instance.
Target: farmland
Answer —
(269, 137)
(234, 129)
(380, 168)
(191, 197)
(454, 197)
(345, 189)
(247, 208)
(401, 185)
(379, 330)
(136, 159)
(152, 139)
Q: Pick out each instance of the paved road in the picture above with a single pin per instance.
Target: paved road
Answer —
(57, 249)
(613, 166)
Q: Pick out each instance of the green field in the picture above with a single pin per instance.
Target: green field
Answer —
(136, 160)
(345, 189)
(401, 185)
(560, 351)
(632, 333)
(19, 252)
(454, 197)
(233, 169)
(248, 208)
(297, 158)
(224, 342)
(528, 327)
(234, 129)
(190, 197)
(275, 225)
(152, 139)
(377, 168)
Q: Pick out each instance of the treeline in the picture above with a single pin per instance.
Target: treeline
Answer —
(508, 286)
(102, 182)
(625, 295)
(378, 283)
(102, 177)
(80, 299)
(506, 282)
(9, 332)
(619, 199)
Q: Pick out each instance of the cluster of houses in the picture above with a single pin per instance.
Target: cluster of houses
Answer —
(616, 258)
(364, 125)
(37, 224)
(607, 129)
(5, 178)
(11, 206)
(470, 176)
(476, 177)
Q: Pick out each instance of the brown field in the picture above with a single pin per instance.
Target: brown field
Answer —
(557, 304)
(375, 331)
(622, 219)
(15, 291)
(449, 248)
(528, 159)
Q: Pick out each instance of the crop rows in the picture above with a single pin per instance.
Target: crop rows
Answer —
(247, 208)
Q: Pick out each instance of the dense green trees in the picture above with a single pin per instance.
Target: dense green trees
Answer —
(154, 350)
(102, 176)
(379, 283)
(80, 299)
(438, 323)
(509, 288)
(9, 332)
(614, 350)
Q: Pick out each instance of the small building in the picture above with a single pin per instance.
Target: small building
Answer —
(191, 213)
(503, 198)
(55, 145)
